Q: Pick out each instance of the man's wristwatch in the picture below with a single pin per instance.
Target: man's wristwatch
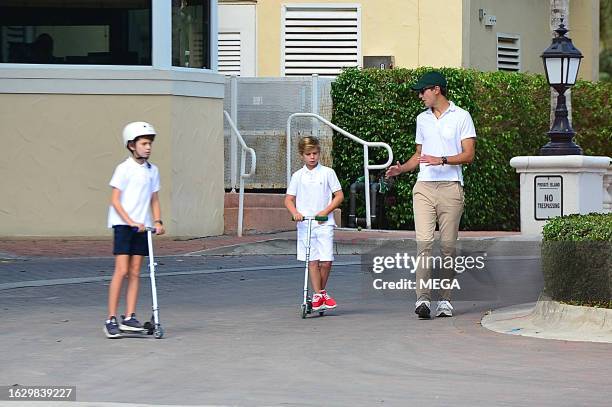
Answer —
(159, 221)
(444, 160)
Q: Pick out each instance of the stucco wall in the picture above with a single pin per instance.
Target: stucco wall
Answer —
(420, 33)
(241, 18)
(59, 152)
(512, 18)
(197, 166)
(415, 32)
(530, 19)
(439, 39)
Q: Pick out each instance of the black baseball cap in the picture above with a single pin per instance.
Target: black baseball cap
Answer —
(432, 78)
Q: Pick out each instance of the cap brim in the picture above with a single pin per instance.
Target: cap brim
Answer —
(418, 86)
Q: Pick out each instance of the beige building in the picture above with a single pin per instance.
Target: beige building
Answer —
(284, 38)
(72, 74)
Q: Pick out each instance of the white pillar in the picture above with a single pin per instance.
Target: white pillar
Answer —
(607, 191)
(314, 95)
(214, 34)
(580, 191)
(162, 34)
(233, 140)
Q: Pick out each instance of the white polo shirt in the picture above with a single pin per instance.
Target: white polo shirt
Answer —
(137, 183)
(441, 137)
(313, 190)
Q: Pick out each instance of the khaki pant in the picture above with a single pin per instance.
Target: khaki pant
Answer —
(441, 202)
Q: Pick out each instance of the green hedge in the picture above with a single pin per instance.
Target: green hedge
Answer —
(511, 115)
(577, 259)
(592, 117)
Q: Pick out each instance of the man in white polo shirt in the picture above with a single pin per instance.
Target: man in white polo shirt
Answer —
(445, 139)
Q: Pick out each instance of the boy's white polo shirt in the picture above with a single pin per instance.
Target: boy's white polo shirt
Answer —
(137, 183)
(313, 190)
(441, 137)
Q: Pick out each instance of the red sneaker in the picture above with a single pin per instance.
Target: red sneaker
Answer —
(317, 302)
(330, 303)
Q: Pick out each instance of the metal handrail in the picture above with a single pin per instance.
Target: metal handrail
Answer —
(243, 175)
(366, 165)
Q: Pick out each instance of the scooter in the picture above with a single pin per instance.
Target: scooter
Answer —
(153, 326)
(306, 307)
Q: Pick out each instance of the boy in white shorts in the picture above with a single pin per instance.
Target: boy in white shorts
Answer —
(314, 190)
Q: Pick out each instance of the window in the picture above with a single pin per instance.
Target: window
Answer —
(320, 40)
(105, 32)
(508, 52)
(229, 53)
(190, 33)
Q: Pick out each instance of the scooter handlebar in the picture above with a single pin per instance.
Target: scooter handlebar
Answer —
(317, 218)
(146, 229)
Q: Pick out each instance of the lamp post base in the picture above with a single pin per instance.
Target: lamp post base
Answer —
(563, 148)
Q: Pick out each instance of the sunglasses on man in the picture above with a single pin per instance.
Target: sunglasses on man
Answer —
(425, 89)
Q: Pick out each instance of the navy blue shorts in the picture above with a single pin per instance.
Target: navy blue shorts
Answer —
(129, 241)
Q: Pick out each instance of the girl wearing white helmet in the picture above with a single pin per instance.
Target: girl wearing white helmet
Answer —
(134, 206)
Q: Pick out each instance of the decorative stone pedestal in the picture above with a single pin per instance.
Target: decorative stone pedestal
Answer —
(554, 186)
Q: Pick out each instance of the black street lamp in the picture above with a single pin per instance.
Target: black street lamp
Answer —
(561, 63)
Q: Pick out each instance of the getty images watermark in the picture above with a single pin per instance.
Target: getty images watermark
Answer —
(404, 262)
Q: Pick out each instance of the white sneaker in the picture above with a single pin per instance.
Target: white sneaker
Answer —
(444, 309)
(422, 309)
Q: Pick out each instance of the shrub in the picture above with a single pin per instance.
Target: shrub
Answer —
(577, 259)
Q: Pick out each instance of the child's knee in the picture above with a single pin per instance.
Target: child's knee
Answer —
(134, 272)
(121, 272)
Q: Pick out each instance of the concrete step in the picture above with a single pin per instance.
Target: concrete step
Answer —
(263, 213)
(255, 200)
(262, 220)
(258, 220)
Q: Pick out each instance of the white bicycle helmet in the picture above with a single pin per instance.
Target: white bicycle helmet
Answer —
(137, 129)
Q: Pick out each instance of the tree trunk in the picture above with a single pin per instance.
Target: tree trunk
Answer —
(559, 13)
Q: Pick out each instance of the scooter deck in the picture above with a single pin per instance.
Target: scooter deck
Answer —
(310, 311)
(139, 332)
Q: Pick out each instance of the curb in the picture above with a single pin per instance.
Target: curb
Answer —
(92, 404)
(552, 320)
(344, 245)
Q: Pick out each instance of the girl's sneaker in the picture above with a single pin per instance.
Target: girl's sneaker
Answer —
(329, 302)
(130, 324)
(317, 302)
(111, 328)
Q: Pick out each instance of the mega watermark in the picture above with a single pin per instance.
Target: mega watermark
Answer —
(406, 284)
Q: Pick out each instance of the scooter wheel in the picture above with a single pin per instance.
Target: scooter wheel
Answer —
(159, 333)
(321, 313)
(150, 326)
(309, 305)
(303, 311)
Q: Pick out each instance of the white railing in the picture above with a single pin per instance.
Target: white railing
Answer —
(243, 175)
(366, 158)
(261, 116)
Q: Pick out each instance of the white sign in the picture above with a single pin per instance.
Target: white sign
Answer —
(548, 192)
